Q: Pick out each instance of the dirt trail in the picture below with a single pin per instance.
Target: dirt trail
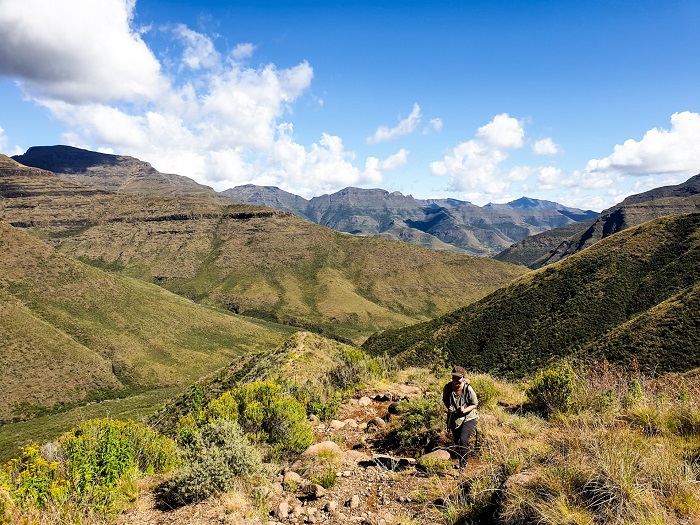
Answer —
(374, 486)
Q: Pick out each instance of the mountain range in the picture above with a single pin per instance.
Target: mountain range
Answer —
(443, 224)
(559, 243)
(247, 259)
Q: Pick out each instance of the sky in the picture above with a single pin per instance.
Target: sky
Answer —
(578, 102)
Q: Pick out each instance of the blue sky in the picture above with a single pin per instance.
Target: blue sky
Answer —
(580, 102)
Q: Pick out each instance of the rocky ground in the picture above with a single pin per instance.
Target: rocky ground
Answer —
(374, 486)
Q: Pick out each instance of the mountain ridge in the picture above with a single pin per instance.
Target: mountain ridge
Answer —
(567, 309)
(557, 244)
(250, 260)
(437, 223)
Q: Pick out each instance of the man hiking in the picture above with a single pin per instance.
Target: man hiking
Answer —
(460, 399)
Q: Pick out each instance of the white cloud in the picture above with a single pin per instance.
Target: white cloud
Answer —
(199, 49)
(3, 140)
(549, 178)
(325, 166)
(474, 165)
(77, 51)
(243, 51)
(660, 151)
(405, 127)
(520, 173)
(395, 161)
(435, 124)
(545, 146)
(503, 132)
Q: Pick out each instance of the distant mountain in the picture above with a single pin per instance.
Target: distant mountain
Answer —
(270, 197)
(111, 172)
(557, 244)
(445, 224)
(250, 260)
(631, 296)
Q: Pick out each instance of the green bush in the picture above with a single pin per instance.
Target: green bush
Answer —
(32, 481)
(552, 390)
(287, 427)
(421, 420)
(100, 451)
(218, 454)
(267, 414)
(90, 466)
(485, 389)
(223, 407)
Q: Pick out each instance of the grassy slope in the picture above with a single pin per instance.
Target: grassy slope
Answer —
(560, 309)
(248, 259)
(72, 332)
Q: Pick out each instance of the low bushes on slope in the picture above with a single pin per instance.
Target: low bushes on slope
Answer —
(555, 312)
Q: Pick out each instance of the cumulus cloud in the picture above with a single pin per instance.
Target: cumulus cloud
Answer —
(503, 132)
(660, 151)
(77, 51)
(243, 51)
(474, 165)
(549, 177)
(545, 146)
(216, 119)
(325, 166)
(405, 127)
(435, 124)
(200, 52)
(395, 161)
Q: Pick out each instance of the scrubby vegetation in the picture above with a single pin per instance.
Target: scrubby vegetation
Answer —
(633, 294)
(88, 470)
(621, 448)
(594, 445)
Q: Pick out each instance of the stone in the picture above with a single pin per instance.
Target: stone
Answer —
(282, 510)
(364, 401)
(331, 506)
(329, 446)
(378, 422)
(439, 455)
(292, 479)
(350, 423)
(336, 425)
(355, 456)
(313, 491)
(353, 502)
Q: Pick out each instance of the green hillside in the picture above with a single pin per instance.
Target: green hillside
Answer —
(249, 260)
(72, 333)
(570, 309)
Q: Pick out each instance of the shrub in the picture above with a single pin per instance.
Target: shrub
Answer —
(99, 452)
(32, 481)
(551, 391)
(433, 466)
(267, 414)
(223, 407)
(421, 420)
(327, 479)
(485, 389)
(218, 454)
(287, 426)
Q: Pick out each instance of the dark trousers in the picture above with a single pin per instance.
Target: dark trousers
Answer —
(461, 437)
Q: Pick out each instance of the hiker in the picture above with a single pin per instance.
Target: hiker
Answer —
(460, 399)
